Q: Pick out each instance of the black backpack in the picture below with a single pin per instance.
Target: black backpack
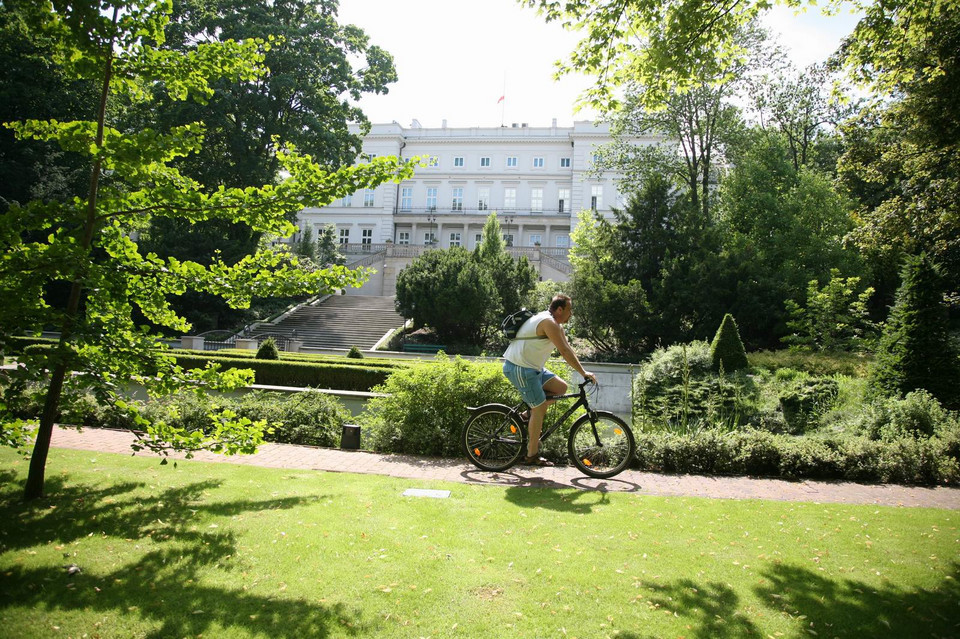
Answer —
(512, 323)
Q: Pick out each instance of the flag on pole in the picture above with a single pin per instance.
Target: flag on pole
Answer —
(500, 100)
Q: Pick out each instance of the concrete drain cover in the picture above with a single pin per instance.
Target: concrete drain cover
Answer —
(423, 492)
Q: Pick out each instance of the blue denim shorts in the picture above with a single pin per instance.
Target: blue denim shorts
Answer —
(528, 381)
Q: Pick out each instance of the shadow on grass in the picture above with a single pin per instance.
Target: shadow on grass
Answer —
(814, 603)
(579, 502)
(847, 607)
(163, 584)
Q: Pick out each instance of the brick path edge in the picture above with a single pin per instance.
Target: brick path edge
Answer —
(641, 483)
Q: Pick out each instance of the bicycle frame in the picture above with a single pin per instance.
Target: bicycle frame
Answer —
(582, 402)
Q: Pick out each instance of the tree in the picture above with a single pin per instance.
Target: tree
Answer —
(915, 349)
(328, 251)
(782, 228)
(798, 106)
(513, 279)
(904, 156)
(88, 243)
(650, 275)
(698, 123)
(450, 292)
(305, 246)
(834, 318)
(33, 86)
(314, 67)
(665, 46)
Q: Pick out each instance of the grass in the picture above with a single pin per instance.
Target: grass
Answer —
(231, 551)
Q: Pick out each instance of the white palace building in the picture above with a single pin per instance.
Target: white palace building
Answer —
(536, 179)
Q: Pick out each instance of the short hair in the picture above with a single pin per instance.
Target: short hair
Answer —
(559, 301)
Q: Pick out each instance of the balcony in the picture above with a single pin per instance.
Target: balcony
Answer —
(461, 211)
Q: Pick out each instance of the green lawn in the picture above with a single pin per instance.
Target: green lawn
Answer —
(227, 551)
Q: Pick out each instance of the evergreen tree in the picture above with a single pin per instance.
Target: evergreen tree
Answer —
(726, 350)
(915, 350)
(328, 251)
(304, 247)
(513, 279)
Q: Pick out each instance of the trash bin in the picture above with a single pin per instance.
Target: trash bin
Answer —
(350, 437)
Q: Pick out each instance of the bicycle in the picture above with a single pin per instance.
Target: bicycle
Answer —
(600, 444)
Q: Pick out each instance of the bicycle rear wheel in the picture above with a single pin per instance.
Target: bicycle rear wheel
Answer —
(603, 447)
(492, 439)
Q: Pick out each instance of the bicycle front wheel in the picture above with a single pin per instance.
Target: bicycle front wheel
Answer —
(601, 447)
(492, 439)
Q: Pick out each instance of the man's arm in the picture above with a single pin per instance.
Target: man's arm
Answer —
(555, 334)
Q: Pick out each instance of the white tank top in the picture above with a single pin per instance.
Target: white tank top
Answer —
(530, 353)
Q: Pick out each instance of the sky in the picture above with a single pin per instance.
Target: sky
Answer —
(456, 58)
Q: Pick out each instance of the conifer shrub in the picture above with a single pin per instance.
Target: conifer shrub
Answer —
(268, 350)
(354, 353)
(915, 349)
(726, 350)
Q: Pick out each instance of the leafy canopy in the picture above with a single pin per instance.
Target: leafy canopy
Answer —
(88, 242)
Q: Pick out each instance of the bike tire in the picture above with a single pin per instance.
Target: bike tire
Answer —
(604, 452)
(493, 439)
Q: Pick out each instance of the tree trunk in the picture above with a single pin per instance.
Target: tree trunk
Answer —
(38, 461)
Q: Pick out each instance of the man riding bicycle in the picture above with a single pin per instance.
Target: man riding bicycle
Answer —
(526, 357)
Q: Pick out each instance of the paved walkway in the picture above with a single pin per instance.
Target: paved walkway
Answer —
(423, 468)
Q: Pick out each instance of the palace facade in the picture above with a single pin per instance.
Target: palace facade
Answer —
(536, 179)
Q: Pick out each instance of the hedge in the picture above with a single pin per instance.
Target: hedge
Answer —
(334, 375)
(371, 362)
(17, 343)
(926, 461)
(293, 373)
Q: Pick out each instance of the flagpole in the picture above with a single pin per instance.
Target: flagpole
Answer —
(503, 99)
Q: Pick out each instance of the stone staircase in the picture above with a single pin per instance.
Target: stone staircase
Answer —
(340, 321)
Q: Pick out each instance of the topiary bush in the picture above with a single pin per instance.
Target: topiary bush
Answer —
(268, 350)
(354, 353)
(726, 350)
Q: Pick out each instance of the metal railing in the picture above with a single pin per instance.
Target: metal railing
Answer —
(446, 211)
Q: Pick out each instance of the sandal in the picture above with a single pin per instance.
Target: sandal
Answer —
(537, 460)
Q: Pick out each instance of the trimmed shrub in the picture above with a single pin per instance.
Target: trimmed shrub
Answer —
(307, 418)
(15, 344)
(354, 353)
(726, 350)
(268, 350)
(911, 461)
(297, 373)
(849, 364)
(374, 362)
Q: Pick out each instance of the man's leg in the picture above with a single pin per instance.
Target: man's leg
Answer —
(553, 386)
(534, 427)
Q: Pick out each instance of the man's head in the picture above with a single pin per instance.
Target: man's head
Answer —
(561, 308)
